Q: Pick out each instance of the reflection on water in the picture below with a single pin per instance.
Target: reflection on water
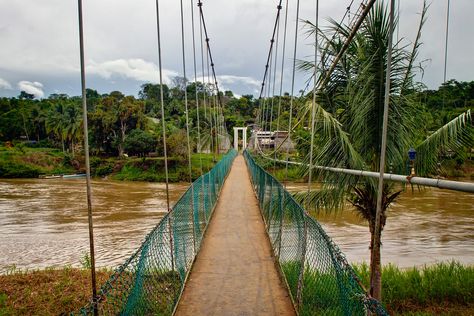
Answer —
(44, 222)
(423, 227)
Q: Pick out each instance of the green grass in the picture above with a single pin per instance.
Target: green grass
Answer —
(46, 292)
(278, 170)
(25, 162)
(321, 292)
(434, 288)
(152, 169)
(62, 291)
(441, 289)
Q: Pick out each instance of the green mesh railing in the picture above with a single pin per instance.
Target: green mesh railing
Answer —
(151, 280)
(319, 278)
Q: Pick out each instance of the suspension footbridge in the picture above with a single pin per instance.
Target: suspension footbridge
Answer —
(234, 272)
(236, 242)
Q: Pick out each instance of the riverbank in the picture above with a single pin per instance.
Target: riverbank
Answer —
(442, 289)
(26, 162)
(46, 292)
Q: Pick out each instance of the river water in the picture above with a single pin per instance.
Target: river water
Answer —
(43, 223)
(423, 227)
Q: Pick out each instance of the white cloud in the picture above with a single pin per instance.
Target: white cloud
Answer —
(35, 88)
(135, 68)
(226, 79)
(239, 83)
(5, 84)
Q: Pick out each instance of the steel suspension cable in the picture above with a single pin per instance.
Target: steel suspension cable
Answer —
(347, 13)
(211, 100)
(267, 95)
(163, 124)
(446, 42)
(274, 73)
(218, 94)
(446, 49)
(202, 70)
(281, 75)
(313, 108)
(322, 82)
(313, 113)
(292, 88)
(188, 140)
(272, 41)
(267, 65)
(375, 277)
(208, 47)
(195, 87)
(203, 73)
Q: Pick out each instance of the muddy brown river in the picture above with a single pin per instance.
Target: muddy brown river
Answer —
(43, 223)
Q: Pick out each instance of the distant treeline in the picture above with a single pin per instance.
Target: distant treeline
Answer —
(121, 124)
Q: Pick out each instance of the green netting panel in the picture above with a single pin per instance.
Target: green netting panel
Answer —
(320, 279)
(150, 281)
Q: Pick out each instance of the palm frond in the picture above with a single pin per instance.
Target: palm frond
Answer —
(450, 137)
(414, 52)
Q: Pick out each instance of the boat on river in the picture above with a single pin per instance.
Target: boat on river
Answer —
(63, 176)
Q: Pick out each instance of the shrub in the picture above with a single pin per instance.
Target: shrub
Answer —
(139, 142)
(15, 170)
(104, 170)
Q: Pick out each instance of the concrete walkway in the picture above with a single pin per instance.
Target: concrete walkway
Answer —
(234, 273)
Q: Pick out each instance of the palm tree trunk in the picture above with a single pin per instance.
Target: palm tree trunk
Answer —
(62, 143)
(24, 127)
(375, 266)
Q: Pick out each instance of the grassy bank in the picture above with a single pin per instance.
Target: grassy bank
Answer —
(25, 162)
(278, 170)
(46, 292)
(153, 169)
(441, 289)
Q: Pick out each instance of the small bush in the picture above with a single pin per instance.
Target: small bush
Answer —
(67, 160)
(10, 169)
(104, 170)
(95, 162)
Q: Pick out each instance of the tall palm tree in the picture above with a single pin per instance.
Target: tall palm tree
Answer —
(349, 121)
(55, 122)
(73, 125)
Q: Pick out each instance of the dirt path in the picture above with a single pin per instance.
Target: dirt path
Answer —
(234, 273)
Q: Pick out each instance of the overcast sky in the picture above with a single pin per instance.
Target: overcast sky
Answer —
(40, 54)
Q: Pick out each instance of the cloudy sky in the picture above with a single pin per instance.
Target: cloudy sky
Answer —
(39, 42)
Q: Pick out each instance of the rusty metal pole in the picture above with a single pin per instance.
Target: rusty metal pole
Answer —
(86, 154)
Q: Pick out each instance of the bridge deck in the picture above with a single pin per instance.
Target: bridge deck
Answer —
(234, 272)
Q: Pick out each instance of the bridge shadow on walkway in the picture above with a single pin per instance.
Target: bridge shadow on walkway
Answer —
(234, 272)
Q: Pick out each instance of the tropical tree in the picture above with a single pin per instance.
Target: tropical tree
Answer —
(139, 142)
(349, 115)
(55, 122)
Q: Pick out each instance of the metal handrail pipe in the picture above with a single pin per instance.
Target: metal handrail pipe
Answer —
(429, 182)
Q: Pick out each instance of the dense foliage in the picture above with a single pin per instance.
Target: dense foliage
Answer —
(120, 124)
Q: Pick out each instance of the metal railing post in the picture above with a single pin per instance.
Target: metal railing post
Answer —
(300, 288)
